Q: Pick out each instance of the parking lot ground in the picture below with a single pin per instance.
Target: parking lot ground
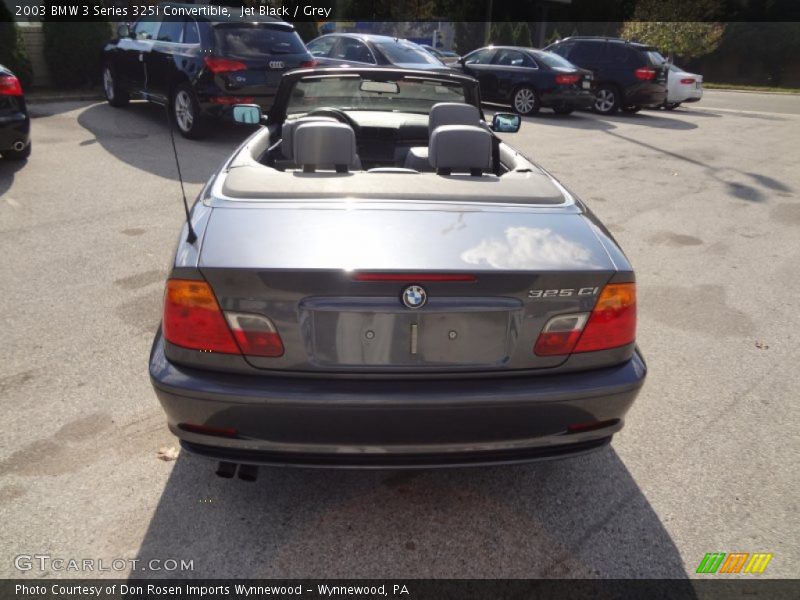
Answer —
(705, 202)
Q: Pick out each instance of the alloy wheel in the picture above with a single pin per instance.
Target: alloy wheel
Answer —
(524, 101)
(184, 111)
(108, 83)
(604, 101)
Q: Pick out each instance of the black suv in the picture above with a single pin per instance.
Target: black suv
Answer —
(628, 75)
(201, 67)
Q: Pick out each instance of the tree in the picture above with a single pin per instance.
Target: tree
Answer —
(73, 50)
(522, 35)
(502, 34)
(13, 53)
(676, 26)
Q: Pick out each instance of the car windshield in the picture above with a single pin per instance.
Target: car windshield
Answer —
(256, 40)
(554, 61)
(403, 52)
(411, 94)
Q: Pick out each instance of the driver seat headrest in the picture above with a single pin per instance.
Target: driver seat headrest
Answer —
(325, 144)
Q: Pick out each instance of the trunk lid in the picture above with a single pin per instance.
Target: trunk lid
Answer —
(332, 281)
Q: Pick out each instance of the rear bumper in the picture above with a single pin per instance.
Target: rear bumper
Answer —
(14, 127)
(645, 94)
(315, 422)
(576, 99)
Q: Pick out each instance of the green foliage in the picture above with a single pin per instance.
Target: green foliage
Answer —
(669, 26)
(767, 46)
(522, 35)
(688, 39)
(468, 37)
(502, 34)
(73, 51)
(13, 53)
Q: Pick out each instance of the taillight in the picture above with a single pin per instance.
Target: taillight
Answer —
(256, 334)
(10, 86)
(613, 319)
(223, 65)
(193, 319)
(560, 334)
(309, 63)
(645, 73)
(567, 79)
(687, 80)
(231, 100)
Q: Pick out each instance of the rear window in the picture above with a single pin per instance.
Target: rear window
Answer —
(256, 40)
(655, 58)
(405, 52)
(554, 61)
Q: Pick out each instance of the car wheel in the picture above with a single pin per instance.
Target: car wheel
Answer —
(114, 95)
(671, 105)
(631, 109)
(17, 154)
(525, 101)
(562, 110)
(186, 113)
(606, 100)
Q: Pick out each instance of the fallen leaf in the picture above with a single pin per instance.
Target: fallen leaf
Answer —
(761, 345)
(167, 454)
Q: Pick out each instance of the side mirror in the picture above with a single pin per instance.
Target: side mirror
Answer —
(506, 123)
(461, 60)
(249, 114)
(123, 31)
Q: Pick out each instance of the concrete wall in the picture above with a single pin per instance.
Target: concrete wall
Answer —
(34, 42)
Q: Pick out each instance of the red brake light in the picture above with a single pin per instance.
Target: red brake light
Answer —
(613, 320)
(10, 86)
(231, 100)
(255, 334)
(207, 430)
(412, 277)
(567, 79)
(687, 80)
(223, 65)
(645, 73)
(309, 63)
(193, 319)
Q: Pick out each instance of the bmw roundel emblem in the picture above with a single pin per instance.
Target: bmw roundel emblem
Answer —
(414, 296)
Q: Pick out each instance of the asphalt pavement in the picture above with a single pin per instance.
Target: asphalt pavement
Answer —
(704, 200)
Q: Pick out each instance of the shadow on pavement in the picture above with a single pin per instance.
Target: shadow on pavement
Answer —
(139, 135)
(7, 170)
(583, 517)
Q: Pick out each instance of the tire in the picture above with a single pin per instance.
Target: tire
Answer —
(671, 105)
(185, 113)
(606, 99)
(18, 155)
(115, 95)
(525, 101)
(562, 110)
(631, 109)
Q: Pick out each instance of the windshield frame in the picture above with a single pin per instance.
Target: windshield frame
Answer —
(278, 112)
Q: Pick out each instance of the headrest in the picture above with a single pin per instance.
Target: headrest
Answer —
(452, 113)
(287, 133)
(324, 144)
(460, 148)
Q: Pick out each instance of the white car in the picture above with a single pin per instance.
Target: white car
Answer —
(682, 87)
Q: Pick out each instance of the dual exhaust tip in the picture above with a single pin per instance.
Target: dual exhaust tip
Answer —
(18, 146)
(227, 470)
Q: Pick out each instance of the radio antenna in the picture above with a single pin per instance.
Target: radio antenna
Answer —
(191, 237)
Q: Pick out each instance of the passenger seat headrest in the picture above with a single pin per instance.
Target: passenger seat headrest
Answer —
(325, 144)
(287, 132)
(460, 148)
(452, 113)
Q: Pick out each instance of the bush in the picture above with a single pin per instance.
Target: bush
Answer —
(522, 36)
(12, 48)
(502, 34)
(73, 51)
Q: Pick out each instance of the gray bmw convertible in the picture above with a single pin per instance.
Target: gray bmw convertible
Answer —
(375, 279)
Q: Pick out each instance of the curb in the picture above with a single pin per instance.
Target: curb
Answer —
(35, 98)
(738, 91)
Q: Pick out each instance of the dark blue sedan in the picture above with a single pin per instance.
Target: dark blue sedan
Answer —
(529, 79)
(15, 124)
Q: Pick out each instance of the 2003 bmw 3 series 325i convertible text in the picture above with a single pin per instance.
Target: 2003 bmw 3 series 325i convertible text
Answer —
(374, 279)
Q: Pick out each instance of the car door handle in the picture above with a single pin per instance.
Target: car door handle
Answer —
(141, 56)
